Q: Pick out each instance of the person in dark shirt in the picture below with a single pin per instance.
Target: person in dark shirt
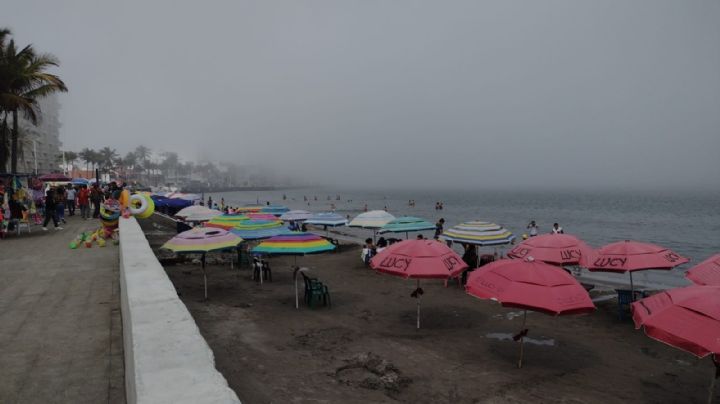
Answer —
(50, 210)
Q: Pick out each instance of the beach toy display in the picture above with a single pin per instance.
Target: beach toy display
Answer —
(138, 205)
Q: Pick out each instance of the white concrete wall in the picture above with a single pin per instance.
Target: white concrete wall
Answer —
(166, 358)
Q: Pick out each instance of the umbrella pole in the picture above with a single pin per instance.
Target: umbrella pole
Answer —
(295, 274)
(632, 288)
(418, 305)
(522, 339)
(204, 275)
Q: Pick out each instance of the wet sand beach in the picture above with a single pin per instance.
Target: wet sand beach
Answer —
(366, 348)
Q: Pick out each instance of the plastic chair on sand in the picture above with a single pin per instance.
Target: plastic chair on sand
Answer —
(315, 291)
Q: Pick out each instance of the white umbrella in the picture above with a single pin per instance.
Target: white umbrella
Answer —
(295, 215)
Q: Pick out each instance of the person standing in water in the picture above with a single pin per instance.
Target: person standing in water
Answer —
(533, 228)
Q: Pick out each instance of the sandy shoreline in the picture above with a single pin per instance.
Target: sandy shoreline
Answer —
(270, 352)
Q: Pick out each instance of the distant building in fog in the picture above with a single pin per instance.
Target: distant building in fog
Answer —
(41, 143)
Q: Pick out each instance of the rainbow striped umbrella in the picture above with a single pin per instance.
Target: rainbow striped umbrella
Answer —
(202, 240)
(226, 221)
(261, 216)
(294, 243)
(255, 224)
(478, 233)
(406, 224)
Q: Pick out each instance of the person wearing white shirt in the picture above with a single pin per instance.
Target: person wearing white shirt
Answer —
(556, 229)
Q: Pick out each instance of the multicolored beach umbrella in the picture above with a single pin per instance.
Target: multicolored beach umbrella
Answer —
(478, 233)
(202, 240)
(296, 215)
(249, 208)
(260, 234)
(331, 219)
(226, 221)
(254, 224)
(294, 243)
(375, 219)
(406, 224)
(261, 216)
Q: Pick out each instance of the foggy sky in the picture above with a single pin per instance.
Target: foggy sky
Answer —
(604, 93)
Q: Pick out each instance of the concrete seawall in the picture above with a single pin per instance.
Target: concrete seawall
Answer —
(166, 358)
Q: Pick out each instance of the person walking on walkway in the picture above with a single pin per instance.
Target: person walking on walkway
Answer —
(60, 204)
(96, 197)
(83, 199)
(50, 210)
(71, 195)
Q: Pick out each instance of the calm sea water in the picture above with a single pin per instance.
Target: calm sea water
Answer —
(688, 223)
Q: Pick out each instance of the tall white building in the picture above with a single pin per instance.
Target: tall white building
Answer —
(40, 144)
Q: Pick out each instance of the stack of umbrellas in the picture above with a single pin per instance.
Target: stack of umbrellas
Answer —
(406, 224)
(478, 233)
(419, 259)
(202, 240)
(294, 243)
(529, 285)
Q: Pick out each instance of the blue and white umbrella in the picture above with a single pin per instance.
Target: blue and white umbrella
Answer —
(295, 215)
(327, 219)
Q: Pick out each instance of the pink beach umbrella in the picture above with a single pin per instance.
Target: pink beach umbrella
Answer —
(419, 259)
(556, 249)
(706, 272)
(630, 256)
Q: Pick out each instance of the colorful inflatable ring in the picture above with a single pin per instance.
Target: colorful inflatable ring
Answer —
(150, 208)
(106, 214)
(136, 200)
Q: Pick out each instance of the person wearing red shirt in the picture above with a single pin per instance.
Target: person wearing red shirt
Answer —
(83, 198)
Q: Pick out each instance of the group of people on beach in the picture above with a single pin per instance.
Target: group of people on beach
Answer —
(534, 229)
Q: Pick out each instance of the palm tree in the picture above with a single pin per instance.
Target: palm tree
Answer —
(86, 155)
(23, 81)
(142, 154)
(107, 157)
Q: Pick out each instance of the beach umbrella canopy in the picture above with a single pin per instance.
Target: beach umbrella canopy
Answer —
(202, 240)
(478, 233)
(248, 208)
(685, 318)
(630, 256)
(55, 177)
(419, 259)
(706, 272)
(406, 224)
(556, 249)
(375, 219)
(203, 216)
(295, 215)
(226, 221)
(191, 210)
(261, 216)
(260, 234)
(331, 219)
(529, 285)
(294, 243)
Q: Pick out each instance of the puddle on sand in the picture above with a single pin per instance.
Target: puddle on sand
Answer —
(502, 336)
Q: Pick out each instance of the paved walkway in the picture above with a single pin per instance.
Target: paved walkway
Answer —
(60, 324)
